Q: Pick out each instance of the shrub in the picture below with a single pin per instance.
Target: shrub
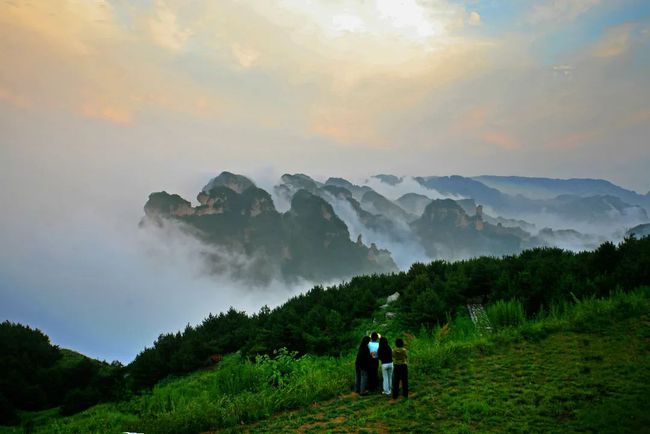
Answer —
(8, 414)
(78, 400)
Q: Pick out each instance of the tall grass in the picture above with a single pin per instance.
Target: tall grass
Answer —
(242, 391)
(503, 314)
(445, 346)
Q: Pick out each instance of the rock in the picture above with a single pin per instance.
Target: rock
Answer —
(237, 183)
(163, 204)
(392, 298)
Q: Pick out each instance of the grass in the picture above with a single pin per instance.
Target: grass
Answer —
(504, 314)
(580, 367)
(552, 375)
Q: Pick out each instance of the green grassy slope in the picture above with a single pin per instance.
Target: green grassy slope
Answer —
(568, 382)
(582, 368)
(589, 372)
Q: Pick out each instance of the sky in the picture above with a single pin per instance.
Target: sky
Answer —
(104, 102)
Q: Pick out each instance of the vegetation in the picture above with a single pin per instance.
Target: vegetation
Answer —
(506, 314)
(323, 321)
(37, 375)
(582, 367)
(547, 307)
(545, 376)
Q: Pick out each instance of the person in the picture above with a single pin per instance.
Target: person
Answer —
(385, 354)
(400, 370)
(362, 364)
(373, 346)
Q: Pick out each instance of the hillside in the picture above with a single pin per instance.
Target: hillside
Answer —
(582, 367)
(302, 351)
(573, 380)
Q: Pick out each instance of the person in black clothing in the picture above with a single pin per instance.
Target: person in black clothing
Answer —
(362, 365)
(373, 345)
(385, 354)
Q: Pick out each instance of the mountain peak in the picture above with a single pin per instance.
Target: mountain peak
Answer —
(388, 179)
(237, 183)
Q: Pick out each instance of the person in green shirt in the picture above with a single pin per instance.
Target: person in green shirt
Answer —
(400, 369)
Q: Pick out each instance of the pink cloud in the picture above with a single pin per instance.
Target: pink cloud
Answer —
(502, 139)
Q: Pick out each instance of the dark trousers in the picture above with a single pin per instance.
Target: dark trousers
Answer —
(357, 380)
(400, 373)
(373, 379)
(361, 382)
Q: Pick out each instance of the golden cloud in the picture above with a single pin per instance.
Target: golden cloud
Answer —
(164, 29)
(615, 41)
(115, 114)
(501, 139)
(343, 67)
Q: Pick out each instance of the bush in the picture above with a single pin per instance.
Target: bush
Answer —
(8, 414)
(505, 314)
(78, 400)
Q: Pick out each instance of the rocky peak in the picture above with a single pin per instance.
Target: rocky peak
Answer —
(445, 212)
(237, 183)
(356, 190)
(413, 203)
(468, 205)
(163, 204)
(388, 179)
(299, 181)
(256, 201)
(308, 205)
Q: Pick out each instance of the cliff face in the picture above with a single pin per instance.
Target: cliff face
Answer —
(446, 230)
(308, 241)
(320, 242)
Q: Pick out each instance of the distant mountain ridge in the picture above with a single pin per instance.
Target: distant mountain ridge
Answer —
(309, 241)
(547, 188)
(336, 229)
(593, 208)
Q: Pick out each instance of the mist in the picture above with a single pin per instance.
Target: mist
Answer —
(109, 290)
(75, 264)
(408, 184)
(612, 231)
(405, 250)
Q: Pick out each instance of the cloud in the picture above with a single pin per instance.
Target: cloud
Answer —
(339, 68)
(563, 70)
(573, 139)
(246, 57)
(502, 139)
(472, 119)
(115, 114)
(558, 11)
(346, 126)
(408, 184)
(165, 30)
(13, 98)
(615, 42)
(474, 19)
